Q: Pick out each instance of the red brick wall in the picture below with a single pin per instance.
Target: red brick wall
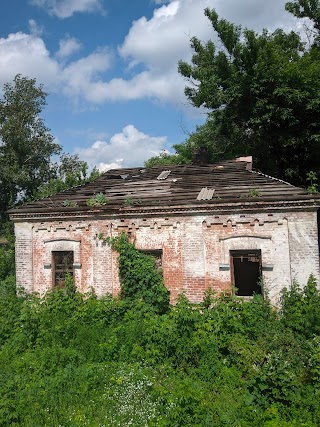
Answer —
(196, 250)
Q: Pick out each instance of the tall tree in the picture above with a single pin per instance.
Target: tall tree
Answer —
(27, 169)
(262, 93)
(26, 143)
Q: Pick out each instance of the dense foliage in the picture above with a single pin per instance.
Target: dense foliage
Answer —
(26, 144)
(27, 168)
(261, 94)
(165, 158)
(69, 172)
(139, 277)
(73, 360)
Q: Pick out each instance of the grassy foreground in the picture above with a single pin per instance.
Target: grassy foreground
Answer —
(69, 360)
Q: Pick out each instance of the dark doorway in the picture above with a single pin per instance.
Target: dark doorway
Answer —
(246, 272)
(62, 262)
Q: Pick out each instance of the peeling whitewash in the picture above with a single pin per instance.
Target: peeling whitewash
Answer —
(195, 250)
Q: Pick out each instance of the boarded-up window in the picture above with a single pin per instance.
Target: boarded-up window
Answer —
(62, 262)
(246, 272)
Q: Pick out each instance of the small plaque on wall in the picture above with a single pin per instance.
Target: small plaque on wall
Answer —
(76, 265)
(224, 267)
(47, 266)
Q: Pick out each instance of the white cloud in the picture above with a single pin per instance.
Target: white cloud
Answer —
(256, 14)
(156, 86)
(66, 8)
(160, 42)
(35, 29)
(156, 44)
(129, 148)
(67, 47)
(82, 77)
(27, 54)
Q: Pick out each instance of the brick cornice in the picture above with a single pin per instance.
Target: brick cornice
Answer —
(192, 210)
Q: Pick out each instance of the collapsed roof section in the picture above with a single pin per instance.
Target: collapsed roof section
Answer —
(226, 185)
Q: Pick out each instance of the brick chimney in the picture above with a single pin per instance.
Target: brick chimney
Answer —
(200, 156)
(248, 160)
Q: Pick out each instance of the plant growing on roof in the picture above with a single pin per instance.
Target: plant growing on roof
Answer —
(130, 202)
(253, 192)
(69, 203)
(98, 199)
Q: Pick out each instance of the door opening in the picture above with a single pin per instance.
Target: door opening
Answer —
(246, 272)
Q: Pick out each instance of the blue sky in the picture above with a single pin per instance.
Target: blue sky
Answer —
(110, 67)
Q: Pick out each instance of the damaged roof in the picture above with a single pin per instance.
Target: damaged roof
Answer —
(231, 182)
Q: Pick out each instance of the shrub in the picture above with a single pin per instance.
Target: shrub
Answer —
(74, 360)
(139, 276)
(69, 203)
(99, 199)
(300, 308)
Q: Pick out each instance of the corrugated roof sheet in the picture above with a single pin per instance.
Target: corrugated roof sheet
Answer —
(164, 175)
(205, 194)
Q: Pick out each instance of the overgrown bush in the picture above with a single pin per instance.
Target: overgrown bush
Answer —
(139, 277)
(301, 308)
(7, 257)
(74, 360)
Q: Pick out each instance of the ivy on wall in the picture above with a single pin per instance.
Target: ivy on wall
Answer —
(139, 276)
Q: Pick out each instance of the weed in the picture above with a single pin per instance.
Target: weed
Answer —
(253, 192)
(128, 201)
(99, 199)
(70, 203)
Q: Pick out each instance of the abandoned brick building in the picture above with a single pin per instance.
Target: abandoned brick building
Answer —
(222, 225)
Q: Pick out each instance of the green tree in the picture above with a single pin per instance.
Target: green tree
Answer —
(261, 92)
(27, 169)
(26, 144)
(69, 172)
(307, 9)
(164, 159)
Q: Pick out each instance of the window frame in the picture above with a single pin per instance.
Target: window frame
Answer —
(246, 253)
(69, 268)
